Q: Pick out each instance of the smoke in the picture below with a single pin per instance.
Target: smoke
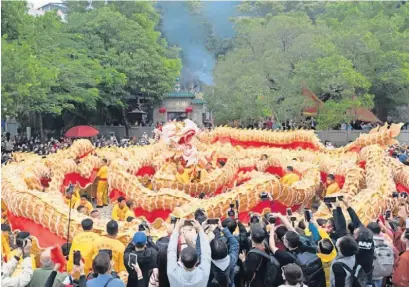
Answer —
(189, 31)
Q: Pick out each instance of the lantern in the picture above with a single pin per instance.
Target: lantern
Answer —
(189, 110)
(162, 110)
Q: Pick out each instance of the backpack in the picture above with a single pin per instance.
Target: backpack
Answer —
(311, 266)
(354, 274)
(220, 277)
(273, 266)
(383, 261)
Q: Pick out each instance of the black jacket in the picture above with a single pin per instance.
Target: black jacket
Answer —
(147, 260)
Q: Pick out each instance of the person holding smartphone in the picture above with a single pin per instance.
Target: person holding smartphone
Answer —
(137, 253)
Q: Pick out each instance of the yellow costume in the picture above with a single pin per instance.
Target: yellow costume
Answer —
(290, 178)
(5, 244)
(332, 188)
(74, 199)
(87, 205)
(119, 214)
(203, 174)
(102, 188)
(130, 213)
(184, 177)
(83, 242)
(19, 267)
(117, 247)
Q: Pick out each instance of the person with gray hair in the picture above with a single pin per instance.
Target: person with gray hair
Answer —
(41, 275)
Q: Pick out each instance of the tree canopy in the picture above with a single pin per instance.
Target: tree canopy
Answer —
(99, 57)
(349, 54)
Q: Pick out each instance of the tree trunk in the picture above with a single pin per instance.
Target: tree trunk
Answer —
(40, 123)
(126, 123)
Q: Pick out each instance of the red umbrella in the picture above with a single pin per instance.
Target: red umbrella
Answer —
(81, 132)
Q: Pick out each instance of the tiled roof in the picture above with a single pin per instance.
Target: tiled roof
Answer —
(180, 95)
(198, 102)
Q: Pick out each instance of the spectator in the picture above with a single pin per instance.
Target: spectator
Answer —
(111, 242)
(146, 259)
(326, 250)
(120, 210)
(83, 242)
(20, 238)
(384, 256)
(7, 269)
(293, 276)
(188, 273)
(343, 265)
(102, 266)
(159, 277)
(82, 209)
(224, 258)
(41, 275)
(401, 275)
(255, 264)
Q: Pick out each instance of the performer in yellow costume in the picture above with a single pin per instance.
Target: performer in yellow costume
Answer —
(290, 176)
(183, 174)
(120, 210)
(332, 185)
(83, 242)
(85, 202)
(111, 244)
(102, 188)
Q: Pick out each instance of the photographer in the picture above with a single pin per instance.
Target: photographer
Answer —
(188, 273)
(224, 257)
(7, 269)
(137, 251)
(401, 275)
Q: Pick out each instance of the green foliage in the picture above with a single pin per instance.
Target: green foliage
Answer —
(104, 56)
(350, 53)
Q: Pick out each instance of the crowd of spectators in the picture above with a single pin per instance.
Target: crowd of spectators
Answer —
(271, 250)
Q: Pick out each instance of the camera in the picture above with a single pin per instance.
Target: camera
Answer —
(395, 194)
(188, 222)
(253, 218)
(270, 218)
(200, 215)
(231, 212)
(213, 221)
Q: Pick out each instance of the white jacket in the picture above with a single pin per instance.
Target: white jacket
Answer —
(20, 281)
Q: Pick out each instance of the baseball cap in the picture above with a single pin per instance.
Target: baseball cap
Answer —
(139, 238)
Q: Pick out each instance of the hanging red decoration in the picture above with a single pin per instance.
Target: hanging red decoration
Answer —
(162, 110)
(189, 110)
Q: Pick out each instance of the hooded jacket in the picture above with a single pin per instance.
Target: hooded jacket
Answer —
(326, 259)
(146, 258)
(178, 275)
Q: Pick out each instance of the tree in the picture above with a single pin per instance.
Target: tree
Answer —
(132, 49)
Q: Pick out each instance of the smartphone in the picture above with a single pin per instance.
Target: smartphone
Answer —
(307, 215)
(173, 220)
(213, 221)
(289, 212)
(188, 222)
(77, 258)
(395, 194)
(387, 214)
(330, 199)
(132, 259)
(237, 205)
(264, 196)
(340, 198)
